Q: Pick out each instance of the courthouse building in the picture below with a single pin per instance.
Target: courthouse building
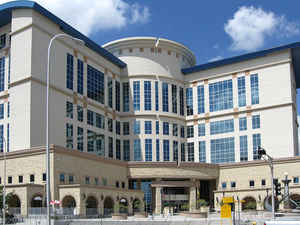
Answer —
(137, 121)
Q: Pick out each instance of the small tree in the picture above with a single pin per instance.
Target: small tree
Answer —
(201, 203)
(9, 199)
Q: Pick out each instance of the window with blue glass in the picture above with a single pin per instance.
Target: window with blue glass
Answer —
(148, 127)
(156, 96)
(110, 124)
(100, 121)
(69, 136)
(175, 150)
(244, 148)
(110, 91)
(175, 130)
(148, 149)
(126, 128)
(166, 150)
(95, 84)
(223, 126)
(181, 101)
(182, 132)
(100, 144)
(224, 185)
(118, 95)
(147, 95)
(90, 117)
(8, 109)
(70, 75)
(182, 152)
(80, 76)
(136, 95)
(202, 151)
(200, 93)
(118, 127)
(110, 147)
(190, 131)
(165, 97)
(126, 150)
(2, 41)
(165, 128)
(2, 73)
(90, 141)
(220, 96)
(80, 139)
(241, 91)
(147, 189)
(174, 98)
(80, 113)
(126, 97)
(256, 140)
(157, 126)
(189, 101)
(1, 111)
(157, 150)
(222, 150)
(254, 89)
(118, 149)
(1, 137)
(137, 127)
(69, 110)
(190, 148)
(201, 129)
(7, 138)
(256, 122)
(243, 123)
(137, 155)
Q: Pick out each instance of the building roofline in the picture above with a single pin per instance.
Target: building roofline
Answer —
(295, 53)
(5, 17)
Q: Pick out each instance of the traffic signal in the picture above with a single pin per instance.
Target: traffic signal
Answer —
(277, 189)
(260, 152)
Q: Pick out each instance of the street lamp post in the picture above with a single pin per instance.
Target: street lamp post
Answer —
(47, 120)
(4, 180)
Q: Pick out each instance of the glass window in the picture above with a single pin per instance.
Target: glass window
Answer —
(100, 144)
(9, 179)
(31, 178)
(100, 121)
(233, 184)
(224, 184)
(2, 41)
(251, 183)
(148, 149)
(222, 150)
(157, 150)
(20, 179)
(71, 179)
(182, 132)
(156, 96)
(126, 97)
(44, 176)
(136, 95)
(137, 155)
(202, 151)
(118, 127)
(201, 129)
(110, 91)
(189, 101)
(1, 137)
(118, 95)
(126, 128)
(117, 184)
(70, 75)
(175, 150)
(147, 95)
(69, 110)
(7, 138)
(126, 149)
(110, 147)
(157, 127)
(190, 131)
(136, 127)
(256, 122)
(2, 73)
(220, 96)
(242, 91)
(91, 141)
(263, 182)
(1, 111)
(148, 127)
(174, 98)
(256, 142)
(165, 128)
(166, 150)
(80, 113)
(87, 180)
(90, 117)
(190, 148)
(165, 97)
(110, 124)
(181, 103)
(243, 123)
(80, 76)
(244, 148)
(62, 178)
(182, 152)
(220, 127)
(95, 84)
(69, 136)
(200, 93)
(254, 89)
(96, 180)
(296, 180)
(175, 129)
(8, 109)
(80, 138)
(118, 149)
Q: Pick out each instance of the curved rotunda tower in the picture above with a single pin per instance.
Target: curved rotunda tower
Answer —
(154, 96)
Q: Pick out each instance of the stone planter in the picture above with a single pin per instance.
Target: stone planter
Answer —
(204, 209)
(140, 214)
(194, 214)
(119, 216)
(250, 212)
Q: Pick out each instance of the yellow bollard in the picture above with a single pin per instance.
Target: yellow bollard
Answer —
(253, 223)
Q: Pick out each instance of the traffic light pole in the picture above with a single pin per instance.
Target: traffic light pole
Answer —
(272, 182)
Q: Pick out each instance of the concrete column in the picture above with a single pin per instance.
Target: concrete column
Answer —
(130, 206)
(158, 200)
(101, 207)
(192, 199)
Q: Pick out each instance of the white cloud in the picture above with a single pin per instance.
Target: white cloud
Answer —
(215, 58)
(250, 26)
(89, 16)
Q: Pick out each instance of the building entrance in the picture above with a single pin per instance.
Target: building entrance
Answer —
(175, 199)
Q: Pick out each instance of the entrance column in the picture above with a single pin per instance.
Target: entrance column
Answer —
(158, 200)
(192, 199)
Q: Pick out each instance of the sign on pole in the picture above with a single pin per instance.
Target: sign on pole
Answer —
(228, 200)
(225, 211)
